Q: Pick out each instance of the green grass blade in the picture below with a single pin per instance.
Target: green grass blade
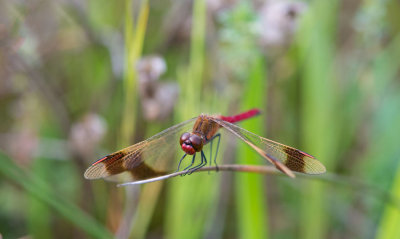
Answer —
(316, 41)
(191, 198)
(389, 225)
(385, 71)
(135, 30)
(39, 227)
(134, 38)
(41, 190)
(250, 189)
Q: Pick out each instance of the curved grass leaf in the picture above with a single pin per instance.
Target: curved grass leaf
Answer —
(43, 192)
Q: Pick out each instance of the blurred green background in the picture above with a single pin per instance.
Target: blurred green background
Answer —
(81, 79)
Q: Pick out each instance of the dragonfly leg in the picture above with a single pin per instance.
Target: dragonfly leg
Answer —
(216, 152)
(211, 151)
(202, 163)
(191, 164)
(180, 161)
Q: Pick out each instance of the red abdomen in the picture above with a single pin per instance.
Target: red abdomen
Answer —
(240, 117)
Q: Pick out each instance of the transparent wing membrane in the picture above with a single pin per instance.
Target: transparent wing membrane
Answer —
(153, 157)
(278, 154)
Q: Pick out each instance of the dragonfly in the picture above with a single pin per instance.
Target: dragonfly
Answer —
(156, 156)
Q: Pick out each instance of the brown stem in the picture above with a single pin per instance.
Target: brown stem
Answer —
(326, 177)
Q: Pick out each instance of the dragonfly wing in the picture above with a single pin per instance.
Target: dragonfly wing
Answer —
(285, 158)
(147, 159)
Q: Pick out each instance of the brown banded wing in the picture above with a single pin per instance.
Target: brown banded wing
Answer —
(285, 158)
(153, 157)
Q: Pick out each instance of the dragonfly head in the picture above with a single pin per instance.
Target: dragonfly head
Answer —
(191, 143)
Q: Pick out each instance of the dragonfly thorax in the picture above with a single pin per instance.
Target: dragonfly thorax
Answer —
(191, 143)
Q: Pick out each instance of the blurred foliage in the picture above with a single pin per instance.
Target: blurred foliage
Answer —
(324, 73)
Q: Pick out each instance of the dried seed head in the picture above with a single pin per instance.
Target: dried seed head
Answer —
(157, 98)
(150, 68)
(86, 134)
(278, 22)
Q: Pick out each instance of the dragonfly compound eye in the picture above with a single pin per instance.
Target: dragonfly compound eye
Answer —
(197, 143)
(186, 144)
(184, 137)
